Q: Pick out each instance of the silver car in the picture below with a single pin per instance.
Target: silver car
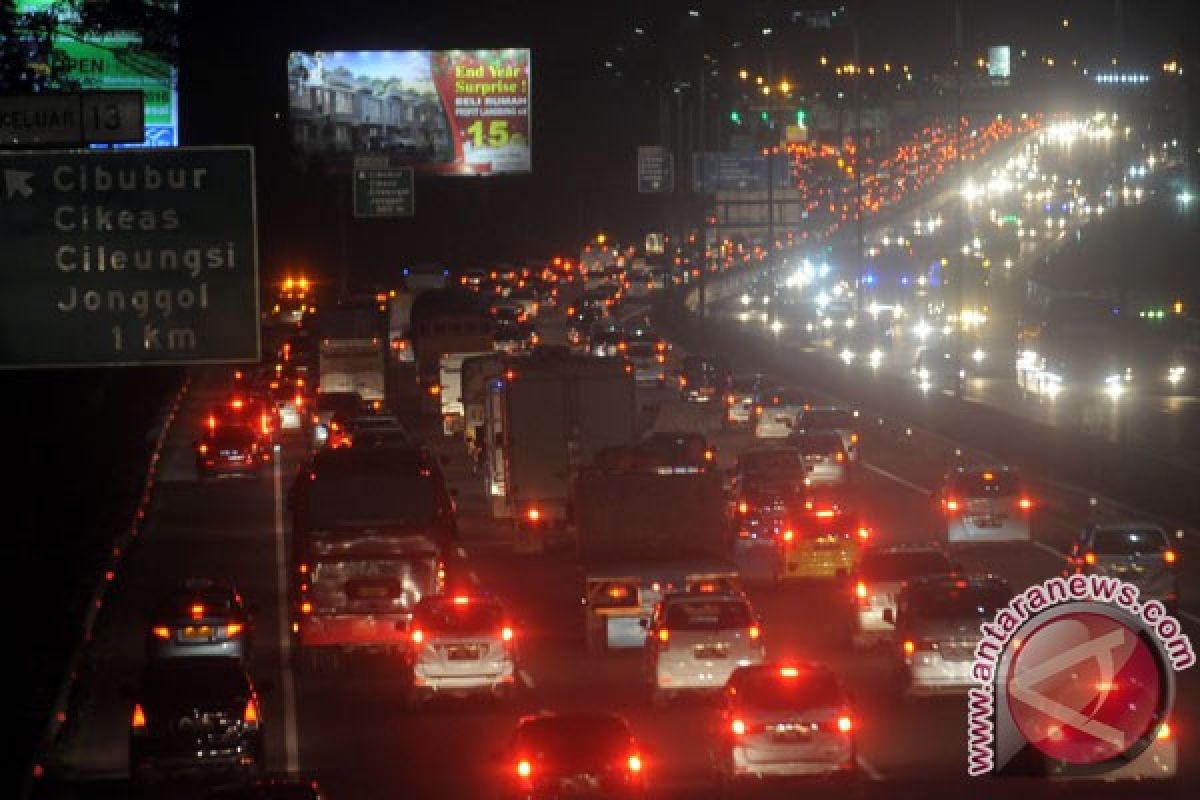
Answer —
(1136, 552)
(785, 720)
(695, 641)
(825, 461)
(878, 578)
(841, 421)
(985, 504)
(937, 629)
(649, 364)
(739, 400)
(202, 619)
(461, 645)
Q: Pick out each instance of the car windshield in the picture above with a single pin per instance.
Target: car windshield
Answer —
(450, 617)
(707, 615)
(959, 603)
(987, 484)
(1138, 542)
(233, 437)
(767, 464)
(818, 444)
(898, 566)
(571, 739)
(771, 690)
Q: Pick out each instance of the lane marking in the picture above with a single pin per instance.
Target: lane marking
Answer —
(891, 476)
(526, 678)
(1051, 550)
(867, 767)
(288, 679)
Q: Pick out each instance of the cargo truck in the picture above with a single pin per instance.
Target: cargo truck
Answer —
(646, 527)
(350, 353)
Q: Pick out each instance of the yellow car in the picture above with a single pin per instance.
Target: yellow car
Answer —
(824, 543)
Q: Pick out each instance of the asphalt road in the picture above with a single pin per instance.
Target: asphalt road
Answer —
(349, 727)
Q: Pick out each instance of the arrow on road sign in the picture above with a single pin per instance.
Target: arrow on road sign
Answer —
(16, 181)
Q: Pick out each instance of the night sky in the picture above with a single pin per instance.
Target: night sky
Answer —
(588, 119)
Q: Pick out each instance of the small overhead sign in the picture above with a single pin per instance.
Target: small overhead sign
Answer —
(124, 257)
(382, 190)
(656, 169)
(79, 118)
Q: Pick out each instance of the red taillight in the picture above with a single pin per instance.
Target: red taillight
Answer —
(910, 647)
(729, 399)
(1163, 732)
(524, 769)
(1169, 556)
(507, 634)
(789, 535)
(533, 514)
(138, 723)
(203, 448)
(234, 629)
(754, 632)
(839, 457)
(634, 762)
(860, 590)
(743, 507)
(306, 607)
(737, 727)
(950, 504)
(1089, 559)
(161, 631)
(250, 715)
(845, 724)
(417, 636)
(864, 533)
(664, 635)
(826, 513)
(1025, 503)
(197, 610)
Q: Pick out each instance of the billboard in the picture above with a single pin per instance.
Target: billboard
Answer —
(451, 112)
(999, 62)
(114, 62)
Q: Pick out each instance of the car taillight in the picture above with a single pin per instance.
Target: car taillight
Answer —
(161, 631)
(743, 507)
(250, 715)
(306, 607)
(507, 634)
(729, 399)
(234, 629)
(839, 457)
(910, 647)
(789, 535)
(950, 504)
(1163, 732)
(417, 636)
(1169, 556)
(864, 533)
(203, 448)
(737, 727)
(754, 632)
(138, 722)
(1089, 559)
(845, 724)
(664, 635)
(524, 769)
(634, 762)
(1025, 503)
(197, 610)
(533, 514)
(854, 438)
(860, 590)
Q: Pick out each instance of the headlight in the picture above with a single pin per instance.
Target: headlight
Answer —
(978, 356)
(847, 356)
(875, 358)
(1113, 386)
(1175, 375)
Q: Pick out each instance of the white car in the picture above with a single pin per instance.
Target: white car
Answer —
(695, 641)
(879, 576)
(775, 414)
(825, 460)
(985, 504)
(461, 645)
(842, 421)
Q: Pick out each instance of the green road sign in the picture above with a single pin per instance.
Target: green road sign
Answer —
(381, 190)
(122, 258)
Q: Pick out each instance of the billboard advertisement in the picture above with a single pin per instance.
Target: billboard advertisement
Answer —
(999, 62)
(114, 62)
(451, 112)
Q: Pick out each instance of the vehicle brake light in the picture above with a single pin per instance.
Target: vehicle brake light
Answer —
(738, 727)
(250, 715)
(854, 438)
(845, 724)
(237, 403)
(860, 590)
(1163, 732)
(534, 514)
(138, 723)
(234, 629)
(1089, 559)
(864, 533)
(789, 535)
(203, 448)
(1025, 503)
(306, 607)
(910, 647)
(417, 636)
(743, 507)
(161, 631)
(1169, 556)
(754, 632)
(634, 762)
(435, 389)
(664, 635)
(825, 513)
(524, 768)
(839, 457)
(506, 634)
(197, 610)
(709, 455)
(789, 672)
(461, 600)
(729, 399)
(951, 504)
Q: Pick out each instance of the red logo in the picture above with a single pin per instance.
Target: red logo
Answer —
(1085, 688)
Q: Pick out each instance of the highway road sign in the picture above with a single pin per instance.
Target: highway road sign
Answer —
(381, 190)
(656, 169)
(72, 119)
(121, 257)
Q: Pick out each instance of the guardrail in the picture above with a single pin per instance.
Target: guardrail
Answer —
(69, 684)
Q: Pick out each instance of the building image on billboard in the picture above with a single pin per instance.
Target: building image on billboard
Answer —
(448, 112)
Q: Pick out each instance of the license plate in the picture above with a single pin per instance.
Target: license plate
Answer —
(463, 653)
(373, 591)
(790, 737)
(197, 632)
(988, 522)
(710, 651)
(231, 454)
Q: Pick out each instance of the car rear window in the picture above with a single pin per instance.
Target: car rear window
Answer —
(343, 402)
(819, 444)
(641, 350)
(707, 616)
(967, 603)
(1129, 543)
(902, 566)
(216, 602)
(987, 484)
(446, 617)
(765, 464)
(768, 690)
(573, 739)
(233, 436)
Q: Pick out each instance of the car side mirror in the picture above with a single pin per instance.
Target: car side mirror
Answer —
(889, 616)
